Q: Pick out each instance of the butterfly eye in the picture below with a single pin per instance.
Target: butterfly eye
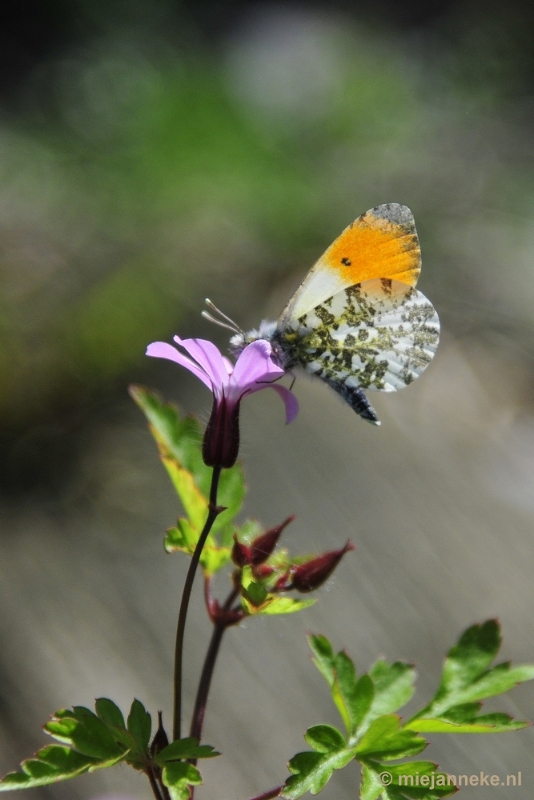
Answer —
(346, 261)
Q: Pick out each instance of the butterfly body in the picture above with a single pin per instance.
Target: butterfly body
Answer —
(357, 321)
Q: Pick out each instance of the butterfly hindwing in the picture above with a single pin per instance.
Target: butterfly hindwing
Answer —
(379, 334)
(382, 243)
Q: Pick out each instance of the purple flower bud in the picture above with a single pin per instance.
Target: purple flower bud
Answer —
(309, 576)
(220, 445)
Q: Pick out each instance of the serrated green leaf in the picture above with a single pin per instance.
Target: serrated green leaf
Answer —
(285, 605)
(312, 771)
(343, 688)
(178, 776)
(420, 780)
(49, 765)
(194, 502)
(255, 593)
(323, 656)
(86, 733)
(184, 749)
(371, 786)
(353, 698)
(385, 740)
(183, 537)
(489, 723)
(473, 654)
(467, 680)
(62, 729)
(214, 558)
(325, 738)
(109, 712)
(394, 686)
(140, 725)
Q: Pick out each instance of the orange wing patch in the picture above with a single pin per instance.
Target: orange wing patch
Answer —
(382, 243)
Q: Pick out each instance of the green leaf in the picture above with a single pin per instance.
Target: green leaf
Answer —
(49, 765)
(420, 780)
(323, 656)
(467, 660)
(184, 749)
(254, 593)
(325, 738)
(214, 558)
(466, 681)
(193, 500)
(108, 712)
(489, 723)
(394, 685)
(184, 537)
(312, 771)
(179, 440)
(353, 698)
(86, 733)
(385, 739)
(178, 777)
(284, 605)
(140, 725)
(371, 786)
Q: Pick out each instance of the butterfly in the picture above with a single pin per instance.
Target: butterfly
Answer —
(357, 321)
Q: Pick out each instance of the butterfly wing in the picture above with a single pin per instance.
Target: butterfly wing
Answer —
(382, 243)
(380, 334)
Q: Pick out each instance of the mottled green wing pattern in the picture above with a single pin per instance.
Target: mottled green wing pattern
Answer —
(379, 334)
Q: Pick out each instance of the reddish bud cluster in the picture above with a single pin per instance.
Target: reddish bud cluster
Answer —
(255, 554)
(313, 573)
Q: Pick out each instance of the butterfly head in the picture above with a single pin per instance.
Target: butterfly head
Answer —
(240, 340)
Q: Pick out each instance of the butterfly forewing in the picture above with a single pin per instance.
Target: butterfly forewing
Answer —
(379, 334)
(382, 243)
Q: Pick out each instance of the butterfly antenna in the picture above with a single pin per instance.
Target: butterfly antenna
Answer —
(229, 323)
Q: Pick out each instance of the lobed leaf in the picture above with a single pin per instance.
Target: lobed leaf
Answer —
(185, 749)
(325, 738)
(420, 780)
(140, 725)
(312, 771)
(108, 712)
(51, 764)
(178, 777)
(466, 680)
(385, 740)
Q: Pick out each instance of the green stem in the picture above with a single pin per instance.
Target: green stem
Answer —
(213, 513)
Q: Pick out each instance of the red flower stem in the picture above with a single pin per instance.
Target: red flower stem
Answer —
(204, 684)
(213, 512)
(269, 794)
(153, 784)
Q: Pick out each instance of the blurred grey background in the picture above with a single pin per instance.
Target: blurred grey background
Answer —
(155, 152)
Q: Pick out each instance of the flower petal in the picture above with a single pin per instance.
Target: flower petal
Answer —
(255, 364)
(290, 401)
(164, 350)
(209, 358)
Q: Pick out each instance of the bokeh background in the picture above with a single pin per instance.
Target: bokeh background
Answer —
(155, 152)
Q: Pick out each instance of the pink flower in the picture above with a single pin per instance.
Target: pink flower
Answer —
(253, 370)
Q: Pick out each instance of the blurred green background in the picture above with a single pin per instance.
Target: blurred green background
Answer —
(153, 153)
